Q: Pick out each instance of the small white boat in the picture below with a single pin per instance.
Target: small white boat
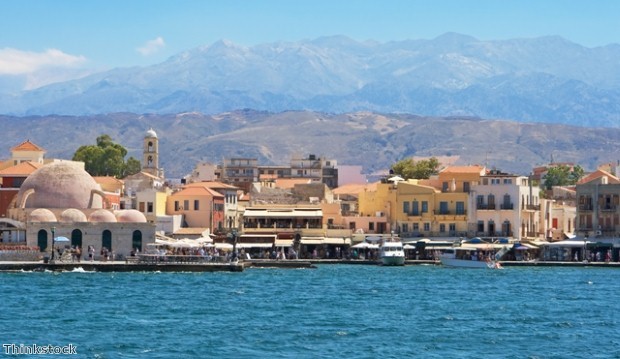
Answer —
(392, 253)
(465, 257)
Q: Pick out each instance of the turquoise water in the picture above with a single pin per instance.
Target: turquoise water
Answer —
(331, 311)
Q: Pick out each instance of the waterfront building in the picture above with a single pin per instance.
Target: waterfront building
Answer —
(232, 213)
(62, 199)
(505, 205)
(598, 209)
(199, 206)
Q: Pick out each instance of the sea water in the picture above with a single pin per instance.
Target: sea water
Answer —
(334, 311)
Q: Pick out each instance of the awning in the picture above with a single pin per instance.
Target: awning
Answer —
(284, 243)
(254, 245)
(569, 244)
(311, 240)
(337, 241)
(283, 213)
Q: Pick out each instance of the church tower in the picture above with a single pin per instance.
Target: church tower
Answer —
(150, 154)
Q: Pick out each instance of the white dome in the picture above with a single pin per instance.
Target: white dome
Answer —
(150, 134)
(130, 216)
(102, 215)
(59, 185)
(72, 215)
(42, 215)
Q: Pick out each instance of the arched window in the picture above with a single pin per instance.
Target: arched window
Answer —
(106, 240)
(136, 240)
(42, 240)
(76, 238)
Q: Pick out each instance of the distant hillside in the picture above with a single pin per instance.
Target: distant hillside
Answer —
(372, 140)
(547, 79)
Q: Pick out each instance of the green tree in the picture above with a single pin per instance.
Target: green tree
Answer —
(106, 158)
(423, 169)
(562, 175)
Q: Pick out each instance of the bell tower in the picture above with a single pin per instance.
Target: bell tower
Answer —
(150, 153)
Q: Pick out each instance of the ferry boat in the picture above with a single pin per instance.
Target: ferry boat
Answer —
(392, 253)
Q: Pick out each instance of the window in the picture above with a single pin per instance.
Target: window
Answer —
(442, 228)
(460, 208)
(405, 207)
(507, 180)
(507, 204)
(491, 201)
(414, 208)
(466, 187)
(149, 207)
(186, 204)
(427, 226)
(443, 208)
(196, 205)
(480, 227)
(141, 207)
(405, 228)
(176, 206)
(371, 226)
(416, 227)
(452, 227)
(444, 187)
(424, 207)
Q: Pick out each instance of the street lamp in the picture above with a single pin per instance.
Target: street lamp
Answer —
(53, 241)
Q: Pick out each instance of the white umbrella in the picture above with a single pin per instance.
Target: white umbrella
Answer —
(361, 245)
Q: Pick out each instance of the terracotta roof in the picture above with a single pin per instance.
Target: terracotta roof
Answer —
(598, 174)
(210, 184)
(22, 169)
(197, 191)
(107, 180)
(463, 169)
(27, 146)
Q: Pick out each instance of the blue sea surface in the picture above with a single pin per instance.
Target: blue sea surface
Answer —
(334, 311)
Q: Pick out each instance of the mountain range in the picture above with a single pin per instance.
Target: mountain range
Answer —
(372, 140)
(546, 80)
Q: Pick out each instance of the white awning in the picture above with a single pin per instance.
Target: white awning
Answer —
(337, 241)
(311, 240)
(568, 244)
(254, 245)
(283, 213)
(284, 243)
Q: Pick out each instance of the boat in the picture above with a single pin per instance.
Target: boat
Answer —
(392, 253)
(468, 257)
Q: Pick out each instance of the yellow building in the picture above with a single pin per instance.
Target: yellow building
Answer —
(424, 208)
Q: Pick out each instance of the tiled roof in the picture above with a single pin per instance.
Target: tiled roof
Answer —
(351, 188)
(107, 180)
(197, 191)
(27, 146)
(463, 169)
(598, 174)
(22, 169)
(211, 184)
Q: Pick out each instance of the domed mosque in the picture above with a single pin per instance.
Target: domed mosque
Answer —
(62, 200)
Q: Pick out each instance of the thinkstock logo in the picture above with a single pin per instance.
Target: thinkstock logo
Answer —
(21, 349)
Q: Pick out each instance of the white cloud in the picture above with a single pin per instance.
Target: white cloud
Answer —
(152, 46)
(17, 62)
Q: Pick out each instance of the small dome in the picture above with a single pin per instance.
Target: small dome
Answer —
(150, 134)
(102, 215)
(72, 215)
(59, 185)
(130, 216)
(42, 215)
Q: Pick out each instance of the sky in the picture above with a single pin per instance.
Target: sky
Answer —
(43, 41)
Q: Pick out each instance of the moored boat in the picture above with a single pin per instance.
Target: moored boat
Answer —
(392, 253)
(468, 257)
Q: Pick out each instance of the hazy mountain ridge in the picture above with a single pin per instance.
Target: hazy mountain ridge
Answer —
(546, 79)
(372, 140)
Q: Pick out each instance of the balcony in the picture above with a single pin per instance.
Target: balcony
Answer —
(507, 206)
(586, 207)
(483, 206)
(609, 208)
(532, 207)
